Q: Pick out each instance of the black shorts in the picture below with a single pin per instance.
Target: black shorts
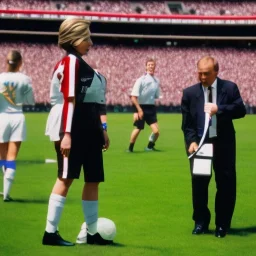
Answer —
(86, 149)
(149, 116)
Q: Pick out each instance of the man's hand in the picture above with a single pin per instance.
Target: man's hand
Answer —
(193, 147)
(135, 117)
(140, 114)
(210, 108)
(65, 145)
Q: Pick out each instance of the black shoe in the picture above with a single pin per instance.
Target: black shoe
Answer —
(97, 239)
(220, 232)
(55, 239)
(200, 229)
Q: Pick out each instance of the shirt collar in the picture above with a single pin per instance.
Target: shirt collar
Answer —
(214, 85)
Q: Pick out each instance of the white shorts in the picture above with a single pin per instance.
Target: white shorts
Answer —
(12, 127)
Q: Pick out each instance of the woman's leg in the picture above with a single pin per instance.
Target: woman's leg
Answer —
(10, 167)
(3, 153)
(90, 205)
(55, 208)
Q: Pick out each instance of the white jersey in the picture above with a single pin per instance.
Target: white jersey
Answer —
(15, 90)
(147, 89)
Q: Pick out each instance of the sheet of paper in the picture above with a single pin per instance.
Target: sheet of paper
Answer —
(205, 151)
(202, 166)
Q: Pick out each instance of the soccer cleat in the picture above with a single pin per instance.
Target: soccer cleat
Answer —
(55, 239)
(97, 239)
(129, 151)
(8, 199)
(149, 149)
(82, 236)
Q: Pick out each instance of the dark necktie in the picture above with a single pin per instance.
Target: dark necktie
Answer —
(210, 94)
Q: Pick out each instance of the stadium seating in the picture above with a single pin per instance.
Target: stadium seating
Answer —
(125, 6)
(176, 68)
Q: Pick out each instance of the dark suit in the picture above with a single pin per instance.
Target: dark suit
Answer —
(230, 106)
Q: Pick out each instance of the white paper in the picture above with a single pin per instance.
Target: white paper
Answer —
(202, 166)
(205, 151)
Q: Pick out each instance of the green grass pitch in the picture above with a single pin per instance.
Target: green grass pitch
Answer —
(147, 195)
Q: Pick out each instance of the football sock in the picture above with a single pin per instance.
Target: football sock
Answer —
(90, 209)
(152, 137)
(131, 146)
(55, 207)
(8, 180)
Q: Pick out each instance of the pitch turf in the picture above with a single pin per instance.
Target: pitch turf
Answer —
(147, 194)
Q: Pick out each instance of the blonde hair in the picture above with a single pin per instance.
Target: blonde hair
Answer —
(14, 59)
(72, 32)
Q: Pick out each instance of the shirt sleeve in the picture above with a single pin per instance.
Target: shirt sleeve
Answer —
(136, 88)
(70, 76)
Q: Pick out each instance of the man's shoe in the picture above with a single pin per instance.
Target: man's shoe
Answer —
(199, 229)
(55, 239)
(128, 151)
(220, 232)
(97, 239)
(82, 236)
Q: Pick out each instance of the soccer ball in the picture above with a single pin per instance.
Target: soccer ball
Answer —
(106, 228)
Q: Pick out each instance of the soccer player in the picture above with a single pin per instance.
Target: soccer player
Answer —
(15, 90)
(145, 90)
(77, 125)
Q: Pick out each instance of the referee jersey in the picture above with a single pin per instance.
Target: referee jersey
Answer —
(147, 89)
(72, 77)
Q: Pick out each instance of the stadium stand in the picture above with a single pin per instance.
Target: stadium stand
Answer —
(176, 68)
(143, 7)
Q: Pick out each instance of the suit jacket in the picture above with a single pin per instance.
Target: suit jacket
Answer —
(230, 106)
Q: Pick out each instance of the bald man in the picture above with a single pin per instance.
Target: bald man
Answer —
(222, 100)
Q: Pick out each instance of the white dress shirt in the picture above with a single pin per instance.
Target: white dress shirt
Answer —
(213, 125)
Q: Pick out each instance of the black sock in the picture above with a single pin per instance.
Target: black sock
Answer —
(151, 144)
(131, 146)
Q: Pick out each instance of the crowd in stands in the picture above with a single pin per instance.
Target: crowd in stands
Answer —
(198, 7)
(176, 68)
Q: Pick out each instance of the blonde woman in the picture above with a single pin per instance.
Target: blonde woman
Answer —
(15, 90)
(77, 125)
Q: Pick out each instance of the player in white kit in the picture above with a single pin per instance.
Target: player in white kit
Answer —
(15, 90)
(144, 93)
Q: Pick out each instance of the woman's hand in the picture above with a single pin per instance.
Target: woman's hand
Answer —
(65, 145)
(106, 139)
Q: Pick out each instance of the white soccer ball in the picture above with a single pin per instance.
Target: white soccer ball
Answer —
(106, 228)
